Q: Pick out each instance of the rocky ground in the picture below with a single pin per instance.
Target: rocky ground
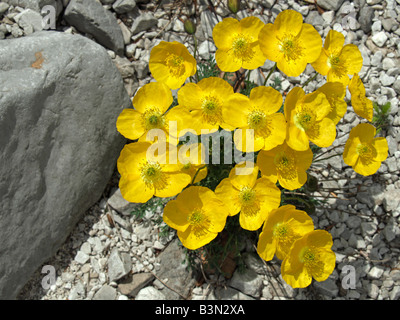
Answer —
(114, 254)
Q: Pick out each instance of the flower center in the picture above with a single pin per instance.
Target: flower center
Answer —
(187, 166)
(175, 64)
(152, 118)
(256, 120)
(311, 259)
(241, 47)
(337, 65)
(285, 165)
(248, 201)
(153, 176)
(290, 47)
(283, 233)
(196, 217)
(304, 119)
(364, 150)
(212, 112)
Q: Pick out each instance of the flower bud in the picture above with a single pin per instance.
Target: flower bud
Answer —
(189, 26)
(234, 5)
(312, 183)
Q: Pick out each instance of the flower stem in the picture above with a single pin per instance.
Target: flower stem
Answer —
(309, 80)
(195, 54)
(327, 151)
(337, 154)
(197, 172)
(269, 74)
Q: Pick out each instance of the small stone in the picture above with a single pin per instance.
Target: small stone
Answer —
(373, 290)
(124, 6)
(81, 257)
(327, 287)
(132, 285)
(379, 38)
(150, 293)
(330, 4)
(143, 22)
(119, 265)
(3, 7)
(376, 272)
(86, 248)
(248, 282)
(106, 292)
(395, 293)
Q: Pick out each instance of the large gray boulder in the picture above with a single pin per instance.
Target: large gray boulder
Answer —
(89, 16)
(60, 96)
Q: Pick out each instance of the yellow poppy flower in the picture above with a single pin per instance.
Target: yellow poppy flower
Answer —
(361, 104)
(306, 117)
(363, 151)
(290, 42)
(205, 101)
(198, 216)
(191, 159)
(337, 61)
(237, 44)
(171, 63)
(282, 227)
(144, 174)
(310, 257)
(335, 93)
(285, 165)
(151, 103)
(259, 113)
(253, 198)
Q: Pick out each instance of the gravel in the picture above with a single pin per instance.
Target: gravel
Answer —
(361, 213)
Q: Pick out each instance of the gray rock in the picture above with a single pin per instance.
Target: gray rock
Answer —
(36, 5)
(173, 268)
(81, 257)
(376, 272)
(118, 203)
(143, 22)
(78, 292)
(390, 231)
(330, 4)
(150, 293)
(90, 17)
(119, 265)
(29, 20)
(328, 288)
(3, 7)
(365, 18)
(58, 144)
(379, 38)
(248, 282)
(395, 293)
(368, 228)
(132, 285)
(106, 292)
(229, 293)
(124, 6)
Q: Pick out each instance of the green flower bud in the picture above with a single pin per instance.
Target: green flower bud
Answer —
(312, 183)
(234, 5)
(189, 26)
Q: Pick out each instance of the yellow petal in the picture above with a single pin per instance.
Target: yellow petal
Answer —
(244, 174)
(153, 94)
(135, 190)
(381, 146)
(193, 239)
(190, 96)
(296, 139)
(224, 31)
(175, 215)
(131, 155)
(292, 68)
(236, 109)
(334, 42)
(257, 60)
(311, 42)
(321, 64)
(323, 134)
(226, 60)
(277, 129)
(352, 57)
(265, 161)
(366, 168)
(225, 190)
(288, 22)
(269, 42)
(293, 97)
(176, 182)
(266, 99)
(130, 124)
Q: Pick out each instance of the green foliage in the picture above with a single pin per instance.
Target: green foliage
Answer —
(381, 116)
(248, 86)
(276, 84)
(207, 69)
(150, 205)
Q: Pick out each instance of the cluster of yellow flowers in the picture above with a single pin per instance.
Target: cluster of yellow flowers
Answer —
(158, 165)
